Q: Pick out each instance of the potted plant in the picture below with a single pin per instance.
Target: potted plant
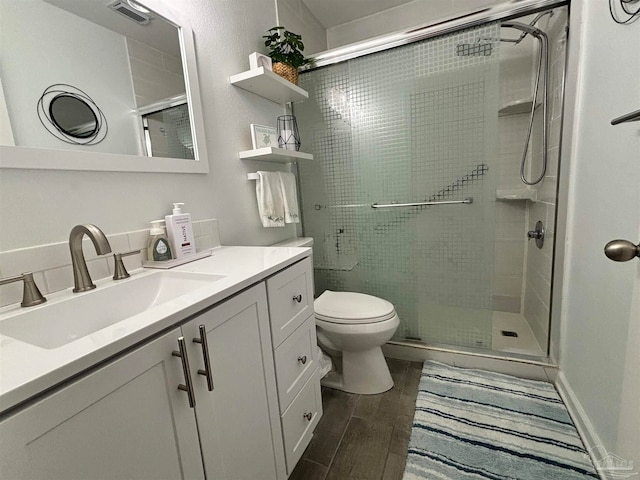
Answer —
(285, 50)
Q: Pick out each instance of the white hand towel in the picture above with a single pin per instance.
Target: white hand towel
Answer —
(290, 197)
(269, 196)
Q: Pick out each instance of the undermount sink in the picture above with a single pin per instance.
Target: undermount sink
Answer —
(53, 325)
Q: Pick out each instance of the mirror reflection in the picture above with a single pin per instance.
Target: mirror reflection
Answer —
(126, 58)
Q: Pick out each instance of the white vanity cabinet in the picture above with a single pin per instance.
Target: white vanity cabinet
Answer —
(126, 419)
(255, 403)
(236, 417)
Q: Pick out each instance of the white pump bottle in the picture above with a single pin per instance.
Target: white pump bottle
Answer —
(180, 232)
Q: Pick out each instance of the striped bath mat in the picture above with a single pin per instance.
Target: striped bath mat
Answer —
(473, 424)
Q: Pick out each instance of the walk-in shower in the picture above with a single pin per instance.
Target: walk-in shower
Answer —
(415, 192)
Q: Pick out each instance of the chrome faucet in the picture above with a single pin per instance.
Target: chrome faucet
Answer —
(81, 277)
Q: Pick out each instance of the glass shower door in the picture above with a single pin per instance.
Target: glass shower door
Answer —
(413, 124)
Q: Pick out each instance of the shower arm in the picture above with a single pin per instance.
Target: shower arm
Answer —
(532, 24)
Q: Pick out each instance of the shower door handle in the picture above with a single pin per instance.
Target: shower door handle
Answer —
(621, 250)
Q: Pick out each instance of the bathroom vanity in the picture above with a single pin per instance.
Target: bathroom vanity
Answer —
(219, 381)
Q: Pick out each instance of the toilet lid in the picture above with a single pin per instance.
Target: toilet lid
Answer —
(350, 307)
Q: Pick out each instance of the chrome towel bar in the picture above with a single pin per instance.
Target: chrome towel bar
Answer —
(421, 204)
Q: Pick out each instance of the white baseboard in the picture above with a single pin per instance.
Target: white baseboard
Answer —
(584, 426)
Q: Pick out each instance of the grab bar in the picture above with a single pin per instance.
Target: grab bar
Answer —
(421, 204)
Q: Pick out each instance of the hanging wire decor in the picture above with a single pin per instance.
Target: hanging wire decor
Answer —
(71, 115)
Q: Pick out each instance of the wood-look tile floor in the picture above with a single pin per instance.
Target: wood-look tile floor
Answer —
(363, 437)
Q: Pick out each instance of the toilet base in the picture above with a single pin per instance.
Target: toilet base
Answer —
(364, 372)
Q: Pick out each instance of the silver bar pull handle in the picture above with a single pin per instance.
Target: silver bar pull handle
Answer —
(182, 353)
(202, 340)
(421, 204)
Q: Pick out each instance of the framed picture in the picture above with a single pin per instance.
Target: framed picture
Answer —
(259, 60)
(262, 136)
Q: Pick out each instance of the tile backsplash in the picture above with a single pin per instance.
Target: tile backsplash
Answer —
(51, 263)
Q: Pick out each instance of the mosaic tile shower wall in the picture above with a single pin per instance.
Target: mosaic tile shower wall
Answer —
(410, 124)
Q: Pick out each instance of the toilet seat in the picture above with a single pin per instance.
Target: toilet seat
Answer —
(352, 308)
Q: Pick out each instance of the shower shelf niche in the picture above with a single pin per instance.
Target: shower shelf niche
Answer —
(268, 85)
(516, 107)
(274, 154)
(517, 194)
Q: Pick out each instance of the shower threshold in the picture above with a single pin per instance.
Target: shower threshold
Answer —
(522, 346)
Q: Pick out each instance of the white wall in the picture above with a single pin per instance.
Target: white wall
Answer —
(408, 15)
(599, 341)
(297, 18)
(42, 206)
(78, 52)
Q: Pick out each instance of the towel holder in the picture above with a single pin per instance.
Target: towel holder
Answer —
(253, 176)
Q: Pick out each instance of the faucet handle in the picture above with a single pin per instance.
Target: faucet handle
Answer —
(31, 295)
(119, 271)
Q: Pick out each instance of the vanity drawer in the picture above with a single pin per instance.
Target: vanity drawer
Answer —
(296, 360)
(290, 294)
(300, 419)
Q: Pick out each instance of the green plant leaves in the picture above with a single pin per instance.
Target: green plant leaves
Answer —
(285, 47)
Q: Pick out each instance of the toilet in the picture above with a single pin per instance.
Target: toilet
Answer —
(352, 327)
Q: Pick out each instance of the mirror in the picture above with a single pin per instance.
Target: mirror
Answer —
(73, 116)
(125, 65)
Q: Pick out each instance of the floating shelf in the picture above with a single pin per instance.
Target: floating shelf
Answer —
(516, 107)
(273, 154)
(267, 84)
(517, 194)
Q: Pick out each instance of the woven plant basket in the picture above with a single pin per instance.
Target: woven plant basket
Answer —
(286, 71)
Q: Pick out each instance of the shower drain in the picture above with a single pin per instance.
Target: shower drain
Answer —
(508, 333)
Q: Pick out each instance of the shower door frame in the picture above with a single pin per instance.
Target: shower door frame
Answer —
(446, 26)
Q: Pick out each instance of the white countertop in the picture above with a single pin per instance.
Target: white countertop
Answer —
(27, 370)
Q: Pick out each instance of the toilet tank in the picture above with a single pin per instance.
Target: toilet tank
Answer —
(296, 242)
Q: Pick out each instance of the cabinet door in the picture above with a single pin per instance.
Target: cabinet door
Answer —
(124, 420)
(238, 421)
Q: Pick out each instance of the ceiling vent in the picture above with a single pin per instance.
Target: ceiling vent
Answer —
(131, 13)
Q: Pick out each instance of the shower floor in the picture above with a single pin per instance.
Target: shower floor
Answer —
(525, 343)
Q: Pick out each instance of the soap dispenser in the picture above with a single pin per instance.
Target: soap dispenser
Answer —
(158, 248)
(180, 232)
